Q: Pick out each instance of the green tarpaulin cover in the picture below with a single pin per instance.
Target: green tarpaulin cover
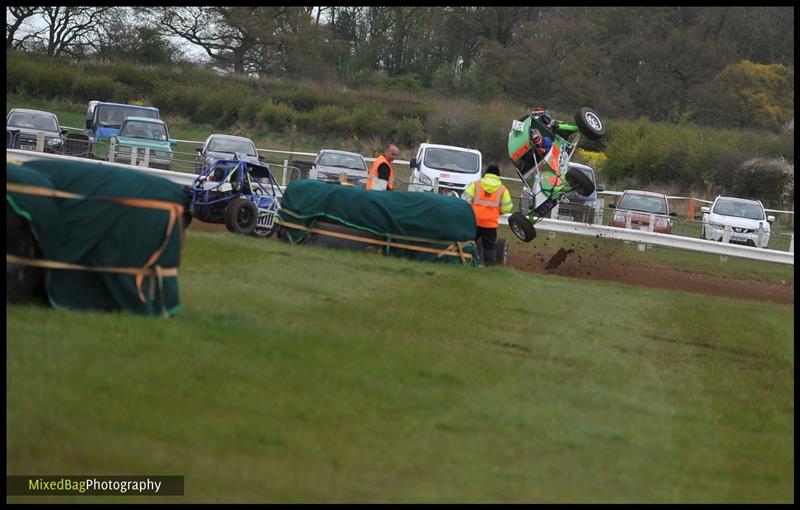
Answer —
(391, 215)
(97, 231)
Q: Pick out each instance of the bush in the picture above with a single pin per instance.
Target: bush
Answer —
(277, 116)
(302, 99)
(770, 180)
(141, 80)
(219, 108)
(324, 120)
(100, 88)
(368, 119)
(409, 131)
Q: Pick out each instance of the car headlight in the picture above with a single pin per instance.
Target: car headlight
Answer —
(662, 222)
(210, 160)
(124, 149)
(53, 141)
(424, 179)
(161, 154)
(619, 217)
(716, 226)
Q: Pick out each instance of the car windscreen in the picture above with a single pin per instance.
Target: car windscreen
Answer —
(452, 160)
(113, 116)
(345, 161)
(228, 145)
(32, 121)
(739, 209)
(634, 202)
(146, 130)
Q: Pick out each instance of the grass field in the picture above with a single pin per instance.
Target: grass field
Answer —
(295, 374)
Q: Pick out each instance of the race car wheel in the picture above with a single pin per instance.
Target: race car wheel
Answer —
(590, 124)
(580, 182)
(522, 227)
(241, 216)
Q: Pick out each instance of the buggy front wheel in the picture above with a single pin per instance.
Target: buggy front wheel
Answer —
(521, 227)
(241, 216)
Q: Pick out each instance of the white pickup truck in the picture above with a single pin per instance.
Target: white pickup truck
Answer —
(451, 168)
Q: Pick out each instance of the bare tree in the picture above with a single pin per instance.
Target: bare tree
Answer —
(67, 29)
(16, 16)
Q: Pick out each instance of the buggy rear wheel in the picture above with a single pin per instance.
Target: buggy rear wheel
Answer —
(522, 227)
(241, 216)
(590, 124)
(579, 182)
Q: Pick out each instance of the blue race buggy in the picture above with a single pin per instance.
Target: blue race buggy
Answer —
(240, 194)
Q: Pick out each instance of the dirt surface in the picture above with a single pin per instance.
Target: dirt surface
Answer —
(599, 267)
(594, 267)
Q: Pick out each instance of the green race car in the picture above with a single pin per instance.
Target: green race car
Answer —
(540, 148)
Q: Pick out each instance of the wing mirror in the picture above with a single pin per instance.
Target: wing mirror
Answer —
(673, 214)
(173, 143)
(770, 219)
(198, 149)
(599, 187)
(705, 209)
(612, 206)
(412, 163)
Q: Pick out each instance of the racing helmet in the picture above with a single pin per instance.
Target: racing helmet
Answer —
(536, 137)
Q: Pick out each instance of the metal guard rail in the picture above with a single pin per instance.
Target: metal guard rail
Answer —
(551, 225)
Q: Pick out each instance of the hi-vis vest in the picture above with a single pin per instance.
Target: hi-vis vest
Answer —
(373, 172)
(487, 206)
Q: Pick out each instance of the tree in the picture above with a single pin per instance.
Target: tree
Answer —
(68, 30)
(16, 16)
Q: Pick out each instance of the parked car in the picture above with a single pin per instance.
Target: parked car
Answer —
(642, 205)
(103, 120)
(744, 216)
(454, 167)
(218, 146)
(138, 134)
(24, 125)
(330, 164)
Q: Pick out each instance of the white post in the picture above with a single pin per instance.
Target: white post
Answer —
(652, 222)
(598, 211)
(134, 155)
(726, 234)
(791, 244)
(760, 234)
(285, 169)
(436, 185)
(627, 219)
(39, 142)
(146, 157)
(112, 146)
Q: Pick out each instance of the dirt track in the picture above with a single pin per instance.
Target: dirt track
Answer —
(601, 267)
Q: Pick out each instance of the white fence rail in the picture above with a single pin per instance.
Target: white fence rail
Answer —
(552, 225)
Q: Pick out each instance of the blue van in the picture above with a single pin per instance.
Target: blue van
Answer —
(103, 120)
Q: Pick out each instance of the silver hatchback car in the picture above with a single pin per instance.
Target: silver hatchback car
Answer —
(218, 146)
(332, 165)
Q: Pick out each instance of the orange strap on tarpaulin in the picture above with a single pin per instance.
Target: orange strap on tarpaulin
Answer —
(149, 268)
(457, 246)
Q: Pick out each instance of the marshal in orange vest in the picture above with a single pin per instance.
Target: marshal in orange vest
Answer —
(487, 206)
(373, 172)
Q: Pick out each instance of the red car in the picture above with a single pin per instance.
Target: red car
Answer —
(642, 207)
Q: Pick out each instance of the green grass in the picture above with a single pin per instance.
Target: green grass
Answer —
(295, 374)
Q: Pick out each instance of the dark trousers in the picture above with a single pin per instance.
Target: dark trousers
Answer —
(488, 236)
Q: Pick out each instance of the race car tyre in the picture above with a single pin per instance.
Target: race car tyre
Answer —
(522, 227)
(580, 182)
(241, 216)
(23, 283)
(590, 124)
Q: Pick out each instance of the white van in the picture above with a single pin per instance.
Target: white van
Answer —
(454, 167)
